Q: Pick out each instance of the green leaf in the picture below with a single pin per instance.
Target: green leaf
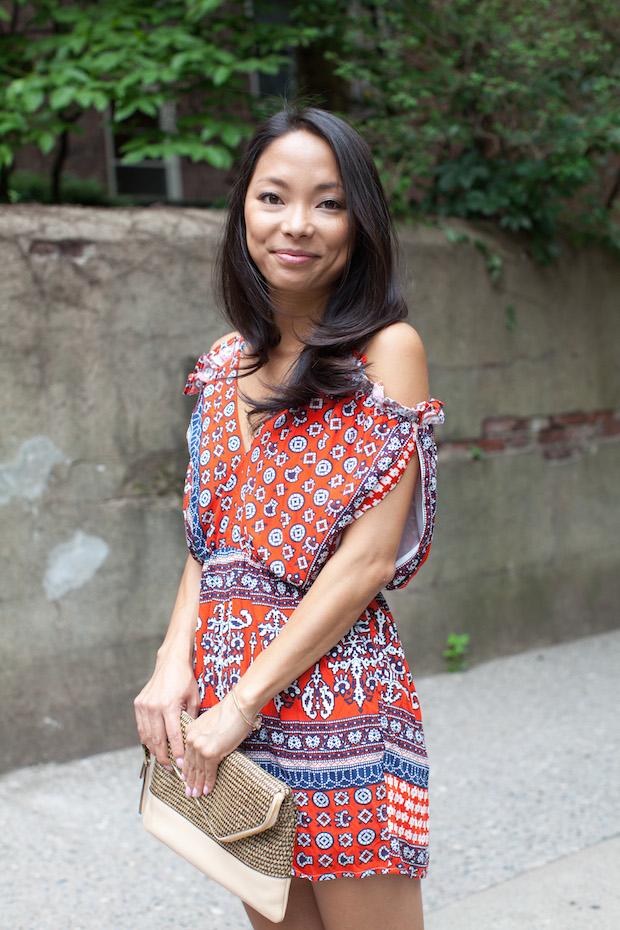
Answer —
(61, 97)
(46, 142)
(107, 61)
(220, 75)
(99, 100)
(32, 99)
(217, 156)
(197, 9)
(6, 155)
(231, 135)
(14, 90)
(455, 237)
(122, 113)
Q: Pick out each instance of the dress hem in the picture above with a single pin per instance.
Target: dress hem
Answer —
(415, 874)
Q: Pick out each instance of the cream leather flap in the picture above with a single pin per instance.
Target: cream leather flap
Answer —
(267, 895)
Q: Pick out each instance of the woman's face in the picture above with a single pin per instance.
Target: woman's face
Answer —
(297, 228)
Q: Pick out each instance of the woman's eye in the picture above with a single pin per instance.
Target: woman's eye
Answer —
(332, 205)
(270, 198)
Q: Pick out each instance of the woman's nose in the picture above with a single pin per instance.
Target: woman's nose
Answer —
(297, 221)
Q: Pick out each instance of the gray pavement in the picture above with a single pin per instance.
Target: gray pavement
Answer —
(525, 760)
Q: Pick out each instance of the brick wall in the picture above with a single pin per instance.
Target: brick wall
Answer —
(558, 437)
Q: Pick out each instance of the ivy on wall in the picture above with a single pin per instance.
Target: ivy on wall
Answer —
(499, 109)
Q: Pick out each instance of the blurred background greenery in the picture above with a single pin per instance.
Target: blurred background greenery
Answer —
(503, 110)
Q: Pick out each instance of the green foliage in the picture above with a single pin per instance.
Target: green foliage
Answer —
(493, 260)
(506, 110)
(455, 652)
(129, 57)
(500, 110)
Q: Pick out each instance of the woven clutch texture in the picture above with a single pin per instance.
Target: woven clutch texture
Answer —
(241, 834)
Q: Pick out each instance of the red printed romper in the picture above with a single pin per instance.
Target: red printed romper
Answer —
(347, 734)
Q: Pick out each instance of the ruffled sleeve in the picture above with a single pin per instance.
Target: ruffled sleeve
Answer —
(427, 413)
(211, 365)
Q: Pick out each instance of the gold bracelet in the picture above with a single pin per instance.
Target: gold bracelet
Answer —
(257, 720)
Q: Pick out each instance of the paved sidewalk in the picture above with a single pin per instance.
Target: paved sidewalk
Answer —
(578, 892)
(525, 807)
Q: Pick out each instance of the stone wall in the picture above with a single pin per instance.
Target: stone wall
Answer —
(104, 312)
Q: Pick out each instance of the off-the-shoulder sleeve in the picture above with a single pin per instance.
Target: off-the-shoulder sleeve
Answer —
(312, 472)
(418, 531)
(419, 422)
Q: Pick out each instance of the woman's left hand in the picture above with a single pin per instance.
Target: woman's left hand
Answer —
(208, 740)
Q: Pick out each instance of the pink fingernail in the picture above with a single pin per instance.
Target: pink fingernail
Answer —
(168, 768)
(188, 793)
(205, 790)
(195, 793)
(180, 763)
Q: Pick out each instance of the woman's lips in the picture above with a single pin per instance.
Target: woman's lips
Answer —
(295, 258)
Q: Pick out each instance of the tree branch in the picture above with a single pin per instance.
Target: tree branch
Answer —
(59, 160)
(615, 190)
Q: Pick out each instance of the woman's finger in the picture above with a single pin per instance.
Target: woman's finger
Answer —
(210, 738)
(142, 720)
(200, 768)
(175, 736)
(153, 732)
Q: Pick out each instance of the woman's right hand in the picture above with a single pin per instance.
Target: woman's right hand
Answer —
(171, 689)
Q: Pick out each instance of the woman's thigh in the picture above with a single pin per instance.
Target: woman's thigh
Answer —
(391, 902)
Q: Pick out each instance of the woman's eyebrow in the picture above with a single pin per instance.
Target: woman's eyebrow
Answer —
(326, 185)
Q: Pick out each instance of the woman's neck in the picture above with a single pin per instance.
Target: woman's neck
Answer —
(295, 315)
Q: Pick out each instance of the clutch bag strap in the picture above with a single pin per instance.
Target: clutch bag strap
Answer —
(144, 773)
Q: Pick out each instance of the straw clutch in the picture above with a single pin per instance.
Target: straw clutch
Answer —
(241, 834)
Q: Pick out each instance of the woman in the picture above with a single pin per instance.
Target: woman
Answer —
(310, 488)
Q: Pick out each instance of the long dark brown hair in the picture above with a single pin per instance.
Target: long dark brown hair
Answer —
(368, 296)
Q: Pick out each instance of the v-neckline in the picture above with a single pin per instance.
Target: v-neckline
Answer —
(239, 413)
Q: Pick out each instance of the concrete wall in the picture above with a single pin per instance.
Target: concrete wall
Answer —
(103, 314)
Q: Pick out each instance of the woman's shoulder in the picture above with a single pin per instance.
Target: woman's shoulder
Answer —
(398, 343)
(395, 357)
